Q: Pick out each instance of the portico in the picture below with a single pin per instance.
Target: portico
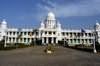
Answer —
(49, 40)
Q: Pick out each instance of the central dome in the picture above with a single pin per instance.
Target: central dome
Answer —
(51, 16)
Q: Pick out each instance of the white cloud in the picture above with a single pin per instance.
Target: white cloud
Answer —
(83, 8)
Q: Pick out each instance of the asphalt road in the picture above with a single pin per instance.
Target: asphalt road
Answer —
(36, 57)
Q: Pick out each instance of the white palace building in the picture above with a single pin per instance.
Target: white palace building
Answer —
(49, 32)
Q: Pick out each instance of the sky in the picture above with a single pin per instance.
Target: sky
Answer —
(70, 13)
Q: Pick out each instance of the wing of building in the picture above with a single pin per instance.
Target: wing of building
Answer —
(49, 32)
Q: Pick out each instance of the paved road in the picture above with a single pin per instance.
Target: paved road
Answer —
(36, 57)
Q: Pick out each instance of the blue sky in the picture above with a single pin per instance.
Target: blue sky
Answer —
(70, 13)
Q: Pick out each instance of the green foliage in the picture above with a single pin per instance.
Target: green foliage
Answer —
(6, 48)
(21, 45)
(2, 44)
(13, 46)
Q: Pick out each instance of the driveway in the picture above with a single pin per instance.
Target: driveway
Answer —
(34, 56)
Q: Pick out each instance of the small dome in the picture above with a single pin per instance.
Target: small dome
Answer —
(51, 14)
(97, 23)
(42, 23)
(4, 21)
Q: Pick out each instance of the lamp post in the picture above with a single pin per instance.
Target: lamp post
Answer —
(64, 41)
(5, 44)
(41, 35)
(94, 41)
(5, 37)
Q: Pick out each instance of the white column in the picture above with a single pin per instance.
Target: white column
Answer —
(83, 34)
(47, 40)
(39, 33)
(23, 40)
(30, 40)
(5, 42)
(26, 40)
(42, 40)
(56, 40)
(47, 33)
(11, 40)
(52, 40)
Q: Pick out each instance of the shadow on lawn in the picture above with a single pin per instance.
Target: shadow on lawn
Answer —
(85, 48)
(14, 46)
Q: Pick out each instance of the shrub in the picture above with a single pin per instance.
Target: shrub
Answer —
(21, 45)
(49, 47)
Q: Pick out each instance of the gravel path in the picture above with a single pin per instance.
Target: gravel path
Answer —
(34, 56)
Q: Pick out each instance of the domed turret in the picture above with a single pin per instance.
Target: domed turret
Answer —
(4, 24)
(97, 23)
(59, 26)
(4, 21)
(42, 25)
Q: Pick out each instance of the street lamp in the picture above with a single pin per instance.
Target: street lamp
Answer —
(94, 41)
(64, 42)
(5, 37)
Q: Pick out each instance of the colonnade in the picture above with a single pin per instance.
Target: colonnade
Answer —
(47, 40)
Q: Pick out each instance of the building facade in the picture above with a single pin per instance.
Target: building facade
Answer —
(50, 32)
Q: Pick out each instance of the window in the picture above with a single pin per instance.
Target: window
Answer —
(24, 39)
(54, 32)
(78, 40)
(13, 39)
(7, 33)
(67, 34)
(10, 33)
(37, 33)
(10, 39)
(24, 33)
(50, 32)
(90, 40)
(54, 40)
(21, 33)
(70, 34)
(28, 33)
(71, 41)
(89, 34)
(17, 33)
(45, 32)
(63, 33)
(28, 39)
(86, 40)
(13, 33)
(85, 34)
